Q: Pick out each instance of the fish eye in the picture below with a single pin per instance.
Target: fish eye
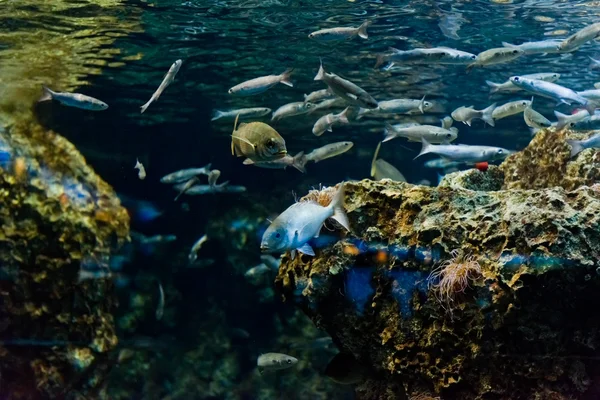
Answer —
(448, 135)
(278, 235)
(500, 151)
(473, 57)
(516, 78)
(427, 104)
(524, 103)
(572, 124)
(270, 143)
(515, 51)
(230, 91)
(289, 361)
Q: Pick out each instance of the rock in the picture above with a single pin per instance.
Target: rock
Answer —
(466, 295)
(474, 179)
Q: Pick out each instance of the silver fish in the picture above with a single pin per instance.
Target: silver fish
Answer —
(329, 103)
(302, 221)
(261, 84)
(584, 35)
(259, 270)
(318, 95)
(591, 123)
(594, 63)
(553, 91)
(342, 33)
(328, 151)
(534, 119)
(437, 55)
(463, 152)
(213, 177)
(433, 134)
(193, 181)
(275, 362)
(208, 189)
(141, 170)
(541, 47)
(76, 100)
(497, 55)
(167, 80)
(450, 23)
(441, 163)
(447, 122)
(508, 87)
(397, 106)
(298, 161)
(577, 146)
(291, 109)
(244, 113)
(193, 256)
(570, 120)
(185, 174)
(510, 108)
(381, 169)
(593, 95)
(467, 114)
(346, 89)
(326, 122)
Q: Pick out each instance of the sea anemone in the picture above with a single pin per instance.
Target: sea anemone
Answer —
(452, 276)
(323, 195)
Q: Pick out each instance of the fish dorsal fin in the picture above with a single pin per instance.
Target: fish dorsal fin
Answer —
(236, 122)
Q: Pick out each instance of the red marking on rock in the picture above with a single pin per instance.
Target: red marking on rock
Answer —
(482, 166)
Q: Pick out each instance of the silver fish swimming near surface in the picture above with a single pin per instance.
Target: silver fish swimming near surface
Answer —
(141, 170)
(510, 108)
(261, 84)
(582, 36)
(167, 80)
(76, 100)
(433, 134)
(553, 91)
(341, 33)
(467, 114)
(185, 174)
(244, 114)
(570, 120)
(302, 221)
(497, 55)
(464, 153)
(508, 87)
(193, 256)
(328, 151)
(345, 89)
(298, 161)
(326, 122)
(577, 146)
(292, 109)
(275, 362)
(541, 47)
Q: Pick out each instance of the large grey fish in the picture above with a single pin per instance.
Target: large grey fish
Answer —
(497, 55)
(510, 108)
(397, 106)
(244, 113)
(508, 87)
(328, 151)
(185, 174)
(298, 161)
(167, 80)
(467, 114)
(341, 33)
(463, 152)
(76, 100)
(433, 134)
(291, 109)
(570, 120)
(275, 362)
(345, 89)
(577, 146)
(541, 47)
(326, 122)
(261, 84)
(553, 91)
(301, 222)
(584, 35)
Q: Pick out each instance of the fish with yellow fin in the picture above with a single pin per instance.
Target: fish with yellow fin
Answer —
(257, 141)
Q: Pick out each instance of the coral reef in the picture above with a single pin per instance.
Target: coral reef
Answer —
(520, 329)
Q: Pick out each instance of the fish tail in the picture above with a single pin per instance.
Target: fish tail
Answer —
(362, 30)
(421, 104)
(486, 114)
(343, 116)
(300, 162)
(506, 44)
(389, 133)
(494, 87)
(426, 149)
(285, 77)
(576, 147)
(216, 115)
(321, 73)
(145, 106)
(562, 120)
(337, 204)
(381, 59)
(46, 94)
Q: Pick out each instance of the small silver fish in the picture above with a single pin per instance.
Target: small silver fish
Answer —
(343, 33)
(208, 189)
(244, 114)
(437, 55)
(570, 120)
(76, 100)
(193, 256)
(577, 146)
(582, 36)
(329, 103)
(441, 163)
(167, 80)
(275, 362)
(345, 89)
(298, 161)
(541, 47)
(508, 87)
(85, 275)
(292, 109)
(160, 309)
(497, 55)
(553, 91)
(510, 108)
(534, 119)
(141, 170)
(463, 152)
(433, 134)
(592, 95)
(261, 84)
(318, 95)
(467, 114)
(194, 180)
(184, 175)
(326, 122)
(397, 106)
(328, 151)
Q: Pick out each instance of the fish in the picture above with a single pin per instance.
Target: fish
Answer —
(261, 84)
(450, 24)
(570, 120)
(213, 177)
(257, 141)
(274, 362)
(590, 123)
(498, 55)
(328, 151)
(437, 55)
(141, 170)
(463, 152)
(577, 146)
(244, 113)
(553, 91)
(597, 85)
(271, 261)
(344, 369)
(345, 89)
(167, 80)
(184, 175)
(441, 163)
(208, 189)
(194, 180)
(582, 36)
(398, 106)
(298, 161)
(467, 114)
(447, 122)
(259, 270)
(292, 109)
(510, 108)
(193, 255)
(540, 47)
(302, 221)
(381, 169)
(329, 103)
(433, 134)
(592, 95)
(508, 87)
(326, 122)
(594, 63)
(341, 33)
(318, 95)
(534, 119)
(160, 308)
(76, 100)
(156, 239)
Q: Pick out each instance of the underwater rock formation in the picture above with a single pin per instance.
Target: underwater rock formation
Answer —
(459, 293)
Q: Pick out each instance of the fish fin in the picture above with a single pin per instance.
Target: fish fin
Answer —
(285, 77)
(300, 162)
(389, 133)
(338, 208)
(544, 54)
(486, 114)
(494, 87)
(467, 122)
(362, 30)
(248, 161)
(46, 94)
(233, 148)
(590, 107)
(421, 104)
(373, 164)
(576, 147)
(352, 96)
(381, 59)
(562, 120)
(343, 117)
(506, 44)
(321, 73)
(425, 149)
(216, 115)
(329, 129)
(241, 140)
(469, 68)
(306, 249)
(145, 106)
(293, 254)
(235, 123)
